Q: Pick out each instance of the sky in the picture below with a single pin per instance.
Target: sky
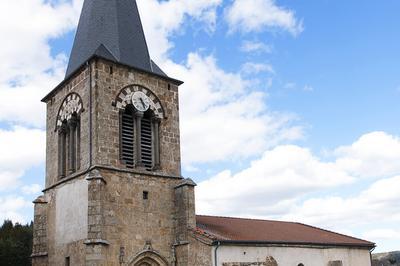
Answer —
(289, 109)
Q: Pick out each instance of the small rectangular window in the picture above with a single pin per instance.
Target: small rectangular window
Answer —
(67, 261)
(145, 195)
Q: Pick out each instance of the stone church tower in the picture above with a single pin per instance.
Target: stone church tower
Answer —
(114, 192)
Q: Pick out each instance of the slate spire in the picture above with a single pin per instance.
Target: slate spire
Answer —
(111, 29)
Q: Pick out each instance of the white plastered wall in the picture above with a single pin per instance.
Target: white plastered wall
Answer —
(71, 212)
(293, 256)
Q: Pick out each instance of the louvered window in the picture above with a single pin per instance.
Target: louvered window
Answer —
(127, 138)
(146, 143)
(139, 139)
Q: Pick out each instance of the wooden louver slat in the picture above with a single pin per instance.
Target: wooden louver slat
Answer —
(146, 143)
(127, 139)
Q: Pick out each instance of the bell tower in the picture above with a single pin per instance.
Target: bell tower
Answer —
(114, 192)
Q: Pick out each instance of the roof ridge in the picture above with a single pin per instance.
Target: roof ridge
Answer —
(329, 231)
(249, 219)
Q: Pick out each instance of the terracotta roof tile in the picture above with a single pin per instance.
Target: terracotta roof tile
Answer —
(230, 229)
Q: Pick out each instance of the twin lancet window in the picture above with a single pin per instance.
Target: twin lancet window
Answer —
(139, 129)
(69, 136)
(140, 117)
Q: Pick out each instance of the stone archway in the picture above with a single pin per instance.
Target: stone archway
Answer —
(146, 262)
(148, 258)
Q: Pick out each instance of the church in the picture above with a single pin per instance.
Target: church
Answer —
(114, 194)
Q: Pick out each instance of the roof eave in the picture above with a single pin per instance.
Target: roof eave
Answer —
(66, 79)
(370, 246)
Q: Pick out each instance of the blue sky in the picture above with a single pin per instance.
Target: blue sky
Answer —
(289, 109)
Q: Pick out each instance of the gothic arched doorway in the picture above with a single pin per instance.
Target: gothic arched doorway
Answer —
(148, 258)
(146, 262)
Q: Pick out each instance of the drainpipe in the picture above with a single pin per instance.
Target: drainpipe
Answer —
(370, 254)
(216, 254)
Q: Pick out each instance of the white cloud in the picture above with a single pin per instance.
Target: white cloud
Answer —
(10, 208)
(27, 69)
(160, 28)
(375, 154)
(216, 104)
(290, 183)
(21, 103)
(382, 234)
(259, 15)
(21, 149)
(290, 85)
(256, 68)
(287, 172)
(213, 101)
(280, 176)
(32, 189)
(308, 88)
(378, 202)
(255, 47)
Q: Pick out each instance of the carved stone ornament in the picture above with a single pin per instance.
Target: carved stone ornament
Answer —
(72, 104)
(125, 97)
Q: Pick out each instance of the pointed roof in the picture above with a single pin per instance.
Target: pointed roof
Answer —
(111, 29)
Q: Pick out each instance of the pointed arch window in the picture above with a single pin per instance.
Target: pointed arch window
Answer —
(69, 135)
(139, 129)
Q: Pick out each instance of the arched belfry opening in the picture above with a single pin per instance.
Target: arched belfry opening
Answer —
(69, 135)
(141, 115)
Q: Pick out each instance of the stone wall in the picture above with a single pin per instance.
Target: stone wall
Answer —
(200, 251)
(57, 229)
(292, 255)
(185, 217)
(40, 244)
(107, 85)
(120, 223)
(132, 222)
(80, 85)
(269, 261)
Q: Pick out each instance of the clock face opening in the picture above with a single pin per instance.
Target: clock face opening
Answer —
(140, 101)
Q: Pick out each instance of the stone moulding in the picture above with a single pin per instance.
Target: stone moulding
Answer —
(95, 175)
(125, 97)
(40, 254)
(40, 200)
(102, 167)
(96, 242)
(186, 182)
(71, 104)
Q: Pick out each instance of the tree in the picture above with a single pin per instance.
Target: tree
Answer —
(15, 244)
